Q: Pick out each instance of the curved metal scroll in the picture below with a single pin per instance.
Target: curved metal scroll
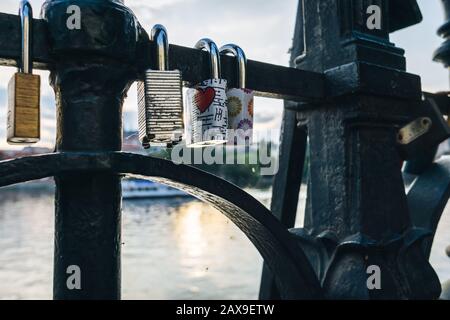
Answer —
(295, 276)
(428, 197)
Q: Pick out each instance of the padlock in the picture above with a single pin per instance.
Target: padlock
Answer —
(24, 89)
(160, 98)
(240, 102)
(206, 110)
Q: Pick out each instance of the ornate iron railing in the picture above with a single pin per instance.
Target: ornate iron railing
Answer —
(347, 90)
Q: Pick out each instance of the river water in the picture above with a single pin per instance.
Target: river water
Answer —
(172, 249)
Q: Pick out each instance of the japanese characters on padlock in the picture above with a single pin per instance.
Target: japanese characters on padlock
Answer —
(239, 102)
(160, 98)
(206, 114)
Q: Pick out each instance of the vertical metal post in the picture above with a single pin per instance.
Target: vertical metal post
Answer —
(286, 187)
(91, 76)
(442, 55)
(357, 215)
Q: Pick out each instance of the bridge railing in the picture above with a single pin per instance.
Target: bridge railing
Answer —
(347, 94)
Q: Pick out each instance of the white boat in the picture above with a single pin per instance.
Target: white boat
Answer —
(144, 189)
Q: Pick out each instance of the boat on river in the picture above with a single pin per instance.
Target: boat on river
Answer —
(145, 189)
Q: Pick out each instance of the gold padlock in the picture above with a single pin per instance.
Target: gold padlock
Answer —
(24, 89)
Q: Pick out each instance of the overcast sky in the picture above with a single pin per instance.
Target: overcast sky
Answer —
(263, 29)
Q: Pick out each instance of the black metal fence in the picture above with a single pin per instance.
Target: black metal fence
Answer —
(347, 93)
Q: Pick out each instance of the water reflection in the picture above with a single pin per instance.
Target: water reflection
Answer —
(188, 250)
(26, 244)
(190, 237)
(172, 249)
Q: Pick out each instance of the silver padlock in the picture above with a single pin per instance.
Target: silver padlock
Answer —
(206, 110)
(240, 101)
(160, 98)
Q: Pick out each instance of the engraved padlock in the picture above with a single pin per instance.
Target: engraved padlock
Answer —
(24, 89)
(160, 98)
(206, 110)
(240, 101)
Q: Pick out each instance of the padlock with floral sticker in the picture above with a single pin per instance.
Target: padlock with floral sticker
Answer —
(239, 102)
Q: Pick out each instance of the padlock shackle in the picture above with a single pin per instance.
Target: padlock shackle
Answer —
(161, 41)
(241, 62)
(26, 21)
(211, 48)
